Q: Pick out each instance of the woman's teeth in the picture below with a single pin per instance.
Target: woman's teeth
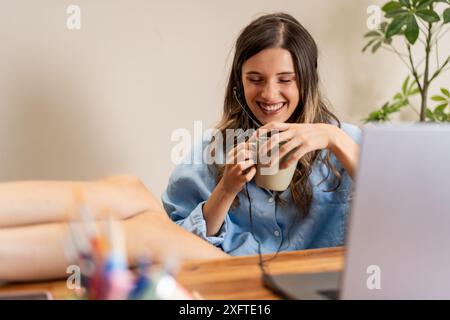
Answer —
(271, 107)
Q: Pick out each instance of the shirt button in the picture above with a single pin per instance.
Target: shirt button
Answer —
(276, 233)
(270, 200)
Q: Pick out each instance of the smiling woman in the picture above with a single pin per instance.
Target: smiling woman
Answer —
(273, 85)
(270, 85)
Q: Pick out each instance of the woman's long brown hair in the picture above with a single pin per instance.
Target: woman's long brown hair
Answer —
(281, 30)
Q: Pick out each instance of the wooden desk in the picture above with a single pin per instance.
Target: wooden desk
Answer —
(240, 277)
(230, 278)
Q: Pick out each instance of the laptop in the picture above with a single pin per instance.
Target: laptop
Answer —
(398, 234)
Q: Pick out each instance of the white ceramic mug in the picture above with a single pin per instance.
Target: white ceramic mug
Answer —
(273, 178)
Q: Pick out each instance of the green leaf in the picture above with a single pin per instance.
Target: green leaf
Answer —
(396, 13)
(412, 30)
(374, 116)
(439, 113)
(423, 4)
(428, 15)
(368, 44)
(445, 92)
(387, 40)
(372, 33)
(413, 92)
(398, 96)
(397, 106)
(406, 3)
(383, 114)
(376, 47)
(429, 114)
(385, 106)
(389, 109)
(405, 85)
(439, 110)
(383, 26)
(446, 15)
(438, 98)
(392, 5)
(396, 25)
(413, 89)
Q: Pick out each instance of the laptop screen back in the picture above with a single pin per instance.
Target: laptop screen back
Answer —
(398, 238)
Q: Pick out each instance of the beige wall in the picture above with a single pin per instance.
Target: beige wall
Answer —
(105, 99)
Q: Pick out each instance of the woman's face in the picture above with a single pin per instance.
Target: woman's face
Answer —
(270, 86)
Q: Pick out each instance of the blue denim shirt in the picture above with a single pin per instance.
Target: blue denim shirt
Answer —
(276, 226)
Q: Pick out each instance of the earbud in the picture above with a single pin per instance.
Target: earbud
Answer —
(236, 96)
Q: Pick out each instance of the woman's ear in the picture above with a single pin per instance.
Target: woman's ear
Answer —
(238, 91)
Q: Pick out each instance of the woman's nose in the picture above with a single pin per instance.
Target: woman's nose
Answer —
(270, 92)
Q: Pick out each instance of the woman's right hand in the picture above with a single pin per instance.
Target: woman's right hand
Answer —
(239, 168)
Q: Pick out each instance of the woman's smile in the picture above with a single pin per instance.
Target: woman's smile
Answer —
(271, 108)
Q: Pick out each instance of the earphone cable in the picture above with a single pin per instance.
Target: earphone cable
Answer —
(268, 280)
(260, 259)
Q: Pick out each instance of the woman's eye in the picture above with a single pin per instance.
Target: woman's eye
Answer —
(285, 80)
(255, 80)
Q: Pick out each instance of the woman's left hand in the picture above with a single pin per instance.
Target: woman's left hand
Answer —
(299, 139)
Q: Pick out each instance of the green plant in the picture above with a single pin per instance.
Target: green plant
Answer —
(415, 22)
